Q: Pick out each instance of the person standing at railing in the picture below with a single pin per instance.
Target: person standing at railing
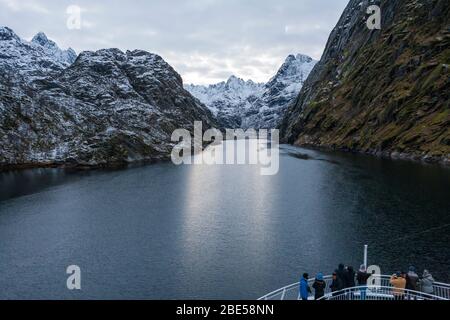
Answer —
(340, 273)
(362, 276)
(412, 279)
(350, 279)
(319, 286)
(305, 290)
(399, 284)
(335, 285)
(427, 282)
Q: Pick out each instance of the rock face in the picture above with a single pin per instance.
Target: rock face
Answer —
(108, 107)
(241, 104)
(267, 111)
(382, 92)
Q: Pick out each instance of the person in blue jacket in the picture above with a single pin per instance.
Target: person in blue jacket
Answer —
(305, 290)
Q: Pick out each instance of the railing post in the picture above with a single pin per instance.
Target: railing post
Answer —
(365, 255)
(284, 293)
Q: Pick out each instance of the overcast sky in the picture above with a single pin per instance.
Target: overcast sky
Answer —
(206, 41)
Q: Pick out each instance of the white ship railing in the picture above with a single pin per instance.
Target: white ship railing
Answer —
(291, 292)
(379, 293)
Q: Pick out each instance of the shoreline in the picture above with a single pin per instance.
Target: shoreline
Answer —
(391, 155)
(79, 167)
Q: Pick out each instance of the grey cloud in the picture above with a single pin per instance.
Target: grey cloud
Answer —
(205, 40)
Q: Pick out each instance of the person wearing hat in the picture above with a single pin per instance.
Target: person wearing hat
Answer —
(399, 284)
(319, 286)
(305, 290)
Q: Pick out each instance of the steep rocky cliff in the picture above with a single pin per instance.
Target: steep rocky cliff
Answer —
(267, 111)
(383, 92)
(108, 107)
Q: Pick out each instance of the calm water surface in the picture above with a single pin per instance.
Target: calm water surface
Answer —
(217, 232)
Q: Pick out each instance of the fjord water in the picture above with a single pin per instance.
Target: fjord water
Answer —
(217, 232)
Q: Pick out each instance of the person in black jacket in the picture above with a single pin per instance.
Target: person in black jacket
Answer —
(319, 286)
(340, 274)
(412, 280)
(362, 276)
(335, 285)
(350, 277)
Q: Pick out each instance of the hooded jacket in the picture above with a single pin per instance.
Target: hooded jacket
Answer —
(319, 286)
(304, 288)
(427, 283)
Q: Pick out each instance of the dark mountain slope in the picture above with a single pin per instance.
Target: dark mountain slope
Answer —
(106, 108)
(383, 92)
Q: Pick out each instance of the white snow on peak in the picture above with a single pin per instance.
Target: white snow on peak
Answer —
(7, 34)
(34, 59)
(226, 96)
(247, 104)
(51, 48)
(293, 73)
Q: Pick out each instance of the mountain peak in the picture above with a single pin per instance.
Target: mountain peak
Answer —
(40, 38)
(290, 57)
(233, 78)
(51, 48)
(294, 70)
(303, 58)
(234, 81)
(7, 34)
(299, 58)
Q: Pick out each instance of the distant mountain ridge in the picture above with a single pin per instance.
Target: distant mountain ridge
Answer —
(246, 104)
(106, 108)
(229, 100)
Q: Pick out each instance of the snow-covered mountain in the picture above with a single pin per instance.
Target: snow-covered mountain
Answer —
(228, 100)
(106, 108)
(52, 50)
(245, 104)
(31, 60)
